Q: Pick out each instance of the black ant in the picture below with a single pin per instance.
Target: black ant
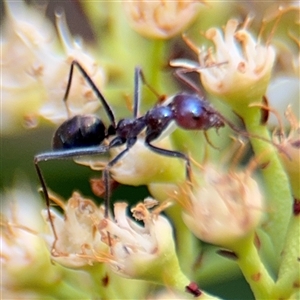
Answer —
(82, 135)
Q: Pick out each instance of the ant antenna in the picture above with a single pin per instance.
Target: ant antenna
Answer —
(251, 135)
(139, 72)
(181, 74)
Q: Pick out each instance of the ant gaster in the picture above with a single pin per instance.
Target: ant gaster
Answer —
(82, 135)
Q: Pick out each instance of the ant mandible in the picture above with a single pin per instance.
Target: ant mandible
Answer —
(82, 135)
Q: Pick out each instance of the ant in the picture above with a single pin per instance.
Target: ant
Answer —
(83, 135)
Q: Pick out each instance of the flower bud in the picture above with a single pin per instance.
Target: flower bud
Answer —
(222, 207)
(161, 19)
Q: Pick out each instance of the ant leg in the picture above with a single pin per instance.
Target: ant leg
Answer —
(172, 153)
(106, 172)
(137, 91)
(138, 77)
(181, 74)
(46, 196)
(94, 88)
(64, 154)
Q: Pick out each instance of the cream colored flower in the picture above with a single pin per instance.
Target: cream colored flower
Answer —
(35, 73)
(82, 99)
(77, 234)
(141, 252)
(141, 165)
(283, 91)
(222, 207)
(161, 19)
(291, 146)
(237, 69)
(25, 263)
(25, 33)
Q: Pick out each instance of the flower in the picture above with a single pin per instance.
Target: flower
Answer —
(81, 99)
(143, 252)
(77, 233)
(291, 146)
(161, 19)
(24, 260)
(140, 165)
(143, 166)
(237, 58)
(35, 73)
(25, 33)
(283, 91)
(222, 207)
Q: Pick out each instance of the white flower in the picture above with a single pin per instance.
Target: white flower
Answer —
(141, 252)
(239, 67)
(222, 207)
(282, 92)
(141, 165)
(291, 146)
(35, 73)
(25, 264)
(25, 33)
(76, 231)
(82, 99)
(161, 19)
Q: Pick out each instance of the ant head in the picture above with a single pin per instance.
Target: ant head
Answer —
(194, 113)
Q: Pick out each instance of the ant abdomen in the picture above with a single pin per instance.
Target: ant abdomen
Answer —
(194, 113)
(79, 132)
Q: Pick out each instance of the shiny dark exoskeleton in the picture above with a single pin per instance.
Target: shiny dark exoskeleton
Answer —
(83, 135)
(79, 131)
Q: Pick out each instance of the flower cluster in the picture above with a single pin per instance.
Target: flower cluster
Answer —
(42, 70)
(160, 19)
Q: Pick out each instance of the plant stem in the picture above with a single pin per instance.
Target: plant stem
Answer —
(253, 269)
(289, 273)
(276, 182)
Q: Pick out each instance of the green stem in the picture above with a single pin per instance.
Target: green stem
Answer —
(63, 290)
(103, 286)
(187, 246)
(253, 269)
(289, 273)
(277, 188)
(155, 62)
